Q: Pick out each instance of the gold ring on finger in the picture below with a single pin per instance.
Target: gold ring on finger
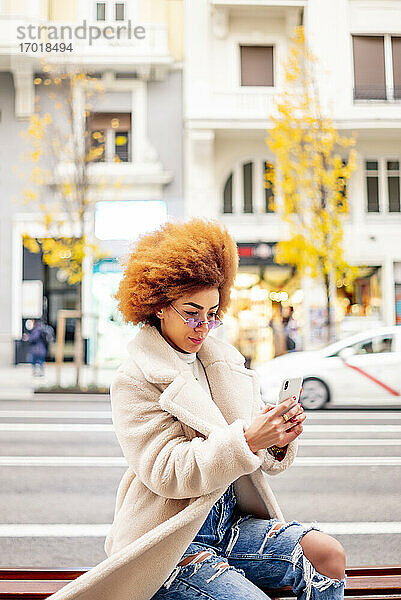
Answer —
(285, 417)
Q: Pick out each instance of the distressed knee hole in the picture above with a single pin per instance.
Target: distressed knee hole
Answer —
(195, 558)
(275, 528)
(325, 553)
(221, 567)
(312, 578)
(192, 559)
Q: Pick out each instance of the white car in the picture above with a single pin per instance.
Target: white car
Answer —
(364, 368)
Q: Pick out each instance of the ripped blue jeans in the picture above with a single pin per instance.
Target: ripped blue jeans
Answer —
(233, 555)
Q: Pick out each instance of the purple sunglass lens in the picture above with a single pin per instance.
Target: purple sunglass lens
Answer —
(193, 323)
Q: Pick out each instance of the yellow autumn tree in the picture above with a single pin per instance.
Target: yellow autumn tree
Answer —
(313, 164)
(58, 186)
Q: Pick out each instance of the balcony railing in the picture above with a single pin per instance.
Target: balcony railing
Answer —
(375, 93)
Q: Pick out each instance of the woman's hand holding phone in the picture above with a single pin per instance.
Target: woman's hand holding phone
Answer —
(269, 428)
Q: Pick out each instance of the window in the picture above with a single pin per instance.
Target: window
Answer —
(244, 190)
(342, 204)
(268, 190)
(383, 189)
(375, 345)
(393, 185)
(228, 195)
(98, 145)
(369, 74)
(109, 135)
(100, 11)
(377, 67)
(257, 65)
(248, 180)
(121, 145)
(119, 11)
(396, 56)
(106, 11)
(372, 185)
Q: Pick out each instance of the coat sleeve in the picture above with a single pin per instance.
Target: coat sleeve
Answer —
(270, 465)
(156, 448)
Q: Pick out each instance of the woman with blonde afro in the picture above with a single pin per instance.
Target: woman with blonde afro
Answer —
(195, 515)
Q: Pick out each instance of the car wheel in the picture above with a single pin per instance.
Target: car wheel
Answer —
(315, 393)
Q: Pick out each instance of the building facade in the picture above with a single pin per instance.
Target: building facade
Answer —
(234, 53)
(142, 81)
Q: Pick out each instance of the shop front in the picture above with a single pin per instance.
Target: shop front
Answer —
(260, 302)
(109, 334)
(44, 292)
(397, 292)
(360, 302)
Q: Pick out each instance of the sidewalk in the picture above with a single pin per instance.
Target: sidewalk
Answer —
(19, 384)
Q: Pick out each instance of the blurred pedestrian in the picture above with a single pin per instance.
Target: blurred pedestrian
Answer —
(38, 339)
(292, 337)
(277, 326)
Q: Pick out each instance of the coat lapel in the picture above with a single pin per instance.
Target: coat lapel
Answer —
(230, 382)
(186, 399)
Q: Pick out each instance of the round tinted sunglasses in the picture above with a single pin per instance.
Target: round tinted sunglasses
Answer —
(194, 323)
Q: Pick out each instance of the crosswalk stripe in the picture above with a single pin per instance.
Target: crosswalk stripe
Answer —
(363, 428)
(106, 414)
(69, 530)
(67, 461)
(55, 414)
(120, 461)
(347, 461)
(356, 415)
(349, 442)
(87, 427)
(92, 427)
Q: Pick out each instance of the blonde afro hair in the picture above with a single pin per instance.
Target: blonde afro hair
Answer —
(173, 260)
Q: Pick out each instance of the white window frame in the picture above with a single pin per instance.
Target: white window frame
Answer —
(258, 191)
(392, 173)
(388, 68)
(108, 145)
(279, 51)
(383, 188)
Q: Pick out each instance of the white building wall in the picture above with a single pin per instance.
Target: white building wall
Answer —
(225, 124)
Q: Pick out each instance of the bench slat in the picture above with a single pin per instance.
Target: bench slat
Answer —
(29, 589)
(38, 573)
(374, 583)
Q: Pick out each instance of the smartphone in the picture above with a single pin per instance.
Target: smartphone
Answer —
(290, 387)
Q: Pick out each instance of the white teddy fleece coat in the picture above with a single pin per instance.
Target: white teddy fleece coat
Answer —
(183, 451)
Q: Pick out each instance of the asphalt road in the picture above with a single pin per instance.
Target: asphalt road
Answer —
(61, 464)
